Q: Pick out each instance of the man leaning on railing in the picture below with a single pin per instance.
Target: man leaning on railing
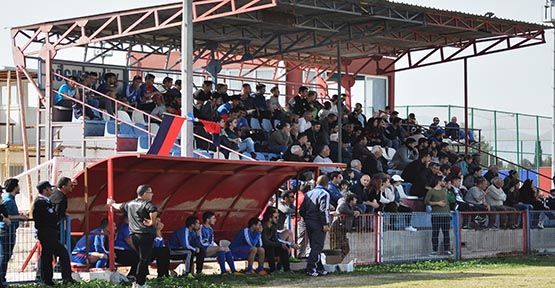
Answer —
(7, 230)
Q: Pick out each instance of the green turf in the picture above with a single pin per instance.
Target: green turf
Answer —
(530, 271)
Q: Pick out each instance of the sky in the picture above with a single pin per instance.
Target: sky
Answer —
(517, 81)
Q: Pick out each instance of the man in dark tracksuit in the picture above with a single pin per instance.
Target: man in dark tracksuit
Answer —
(315, 212)
(46, 224)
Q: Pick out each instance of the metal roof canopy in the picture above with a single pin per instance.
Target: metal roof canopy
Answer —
(305, 31)
(234, 190)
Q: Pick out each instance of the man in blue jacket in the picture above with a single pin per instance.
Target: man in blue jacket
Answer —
(247, 244)
(223, 254)
(315, 212)
(186, 240)
(96, 252)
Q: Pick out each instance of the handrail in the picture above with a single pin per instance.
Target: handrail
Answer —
(519, 180)
(134, 109)
(116, 120)
(484, 152)
(475, 109)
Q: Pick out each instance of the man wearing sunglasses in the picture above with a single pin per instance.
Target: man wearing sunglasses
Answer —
(142, 227)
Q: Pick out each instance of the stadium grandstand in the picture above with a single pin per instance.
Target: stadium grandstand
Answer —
(248, 109)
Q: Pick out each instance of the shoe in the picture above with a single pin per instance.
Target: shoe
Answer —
(262, 273)
(540, 225)
(448, 253)
(323, 273)
(410, 228)
(434, 253)
(69, 281)
(313, 274)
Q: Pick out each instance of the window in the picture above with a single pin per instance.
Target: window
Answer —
(16, 170)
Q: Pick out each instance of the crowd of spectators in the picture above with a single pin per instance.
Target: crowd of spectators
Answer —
(141, 93)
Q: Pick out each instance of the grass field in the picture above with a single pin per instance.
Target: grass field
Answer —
(538, 272)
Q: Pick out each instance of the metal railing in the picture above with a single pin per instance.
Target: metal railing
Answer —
(512, 135)
(151, 118)
(379, 238)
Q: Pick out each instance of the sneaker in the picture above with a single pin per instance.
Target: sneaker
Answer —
(434, 253)
(323, 273)
(410, 228)
(262, 273)
(448, 253)
(313, 274)
(540, 225)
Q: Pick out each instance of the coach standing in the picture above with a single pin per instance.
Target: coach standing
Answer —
(315, 212)
(142, 219)
(47, 229)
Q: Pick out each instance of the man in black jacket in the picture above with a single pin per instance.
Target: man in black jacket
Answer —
(271, 242)
(59, 198)
(47, 232)
(315, 212)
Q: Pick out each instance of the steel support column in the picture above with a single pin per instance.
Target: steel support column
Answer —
(553, 117)
(111, 220)
(339, 107)
(466, 105)
(187, 78)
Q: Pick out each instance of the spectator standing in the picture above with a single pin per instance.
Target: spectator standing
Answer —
(343, 224)
(8, 232)
(333, 187)
(441, 219)
(142, 216)
(315, 212)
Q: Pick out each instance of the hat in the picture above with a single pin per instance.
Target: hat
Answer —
(397, 178)
(43, 185)
(10, 184)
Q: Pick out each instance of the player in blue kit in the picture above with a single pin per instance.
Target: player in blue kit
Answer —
(223, 254)
(247, 244)
(96, 253)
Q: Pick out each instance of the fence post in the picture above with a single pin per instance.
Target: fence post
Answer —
(378, 241)
(526, 231)
(457, 232)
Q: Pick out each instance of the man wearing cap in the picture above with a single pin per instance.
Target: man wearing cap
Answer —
(46, 225)
(8, 232)
(142, 226)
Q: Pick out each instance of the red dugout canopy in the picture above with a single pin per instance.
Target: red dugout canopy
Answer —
(234, 190)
